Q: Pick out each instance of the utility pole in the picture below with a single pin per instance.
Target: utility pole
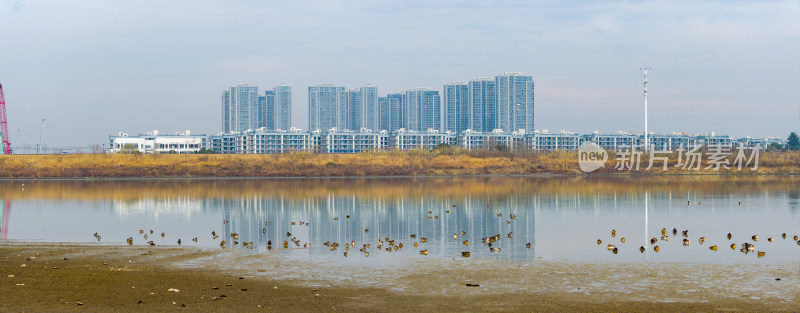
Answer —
(646, 132)
(43, 137)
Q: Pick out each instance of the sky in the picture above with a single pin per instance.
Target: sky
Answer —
(96, 68)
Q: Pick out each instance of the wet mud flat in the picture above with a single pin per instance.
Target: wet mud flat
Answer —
(36, 277)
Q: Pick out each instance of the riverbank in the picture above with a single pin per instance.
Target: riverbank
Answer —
(99, 278)
(389, 163)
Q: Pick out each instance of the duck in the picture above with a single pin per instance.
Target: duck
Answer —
(622, 239)
(499, 214)
(347, 216)
(761, 253)
(611, 247)
(512, 216)
(685, 242)
(795, 237)
(665, 238)
(224, 221)
(455, 236)
(179, 241)
(263, 230)
(142, 232)
(663, 232)
(615, 250)
(702, 240)
(366, 254)
(222, 243)
(466, 242)
(653, 241)
(244, 244)
(511, 234)
(288, 234)
(336, 218)
(730, 236)
(130, 241)
(151, 243)
(685, 233)
(353, 243)
(424, 252)
(463, 233)
(267, 222)
(528, 245)
(194, 239)
(508, 222)
(770, 239)
(656, 248)
(286, 244)
(783, 235)
(713, 248)
(599, 242)
(733, 246)
(416, 244)
(345, 254)
(447, 211)
(494, 249)
(235, 236)
(145, 236)
(613, 233)
(413, 235)
(236, 242)
(641, 249)
(423, 240)
(151, 231)
(464, 254)
(674, 231)
(755, 237)
(688, 202)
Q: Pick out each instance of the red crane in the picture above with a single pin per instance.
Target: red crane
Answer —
(4, 123)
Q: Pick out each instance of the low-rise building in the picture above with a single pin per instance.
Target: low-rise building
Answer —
(153, 142)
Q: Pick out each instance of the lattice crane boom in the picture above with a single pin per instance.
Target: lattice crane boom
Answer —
(4, 123)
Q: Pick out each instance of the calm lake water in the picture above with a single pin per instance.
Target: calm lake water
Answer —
(561, 218)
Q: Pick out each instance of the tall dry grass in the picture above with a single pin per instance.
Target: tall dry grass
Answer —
(300, 164)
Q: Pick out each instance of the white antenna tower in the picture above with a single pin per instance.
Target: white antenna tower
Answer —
(646, 132)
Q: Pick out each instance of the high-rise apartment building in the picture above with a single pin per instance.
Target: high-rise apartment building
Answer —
(514, 102)
(240, 109)
(482, 105)
(353, 111)
(383, 113)
(456, 107)
(423, 109)
(370, 113)
(266, 104)
(283, 107)
(326, 107)
(392, 115)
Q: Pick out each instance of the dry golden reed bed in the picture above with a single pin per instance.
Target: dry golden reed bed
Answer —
(301, 164)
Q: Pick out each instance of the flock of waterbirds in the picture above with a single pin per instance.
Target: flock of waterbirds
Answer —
(382, 244)
(745, 247)
(393, 244)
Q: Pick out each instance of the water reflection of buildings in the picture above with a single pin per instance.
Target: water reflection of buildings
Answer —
(163, 206)
(395, 218)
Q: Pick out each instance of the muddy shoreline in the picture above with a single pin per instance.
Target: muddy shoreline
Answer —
(83, 277)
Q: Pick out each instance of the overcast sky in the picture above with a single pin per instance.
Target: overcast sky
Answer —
(94, 68)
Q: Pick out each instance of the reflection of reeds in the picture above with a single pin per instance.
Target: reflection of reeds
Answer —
(299, 164)
(390, 188)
